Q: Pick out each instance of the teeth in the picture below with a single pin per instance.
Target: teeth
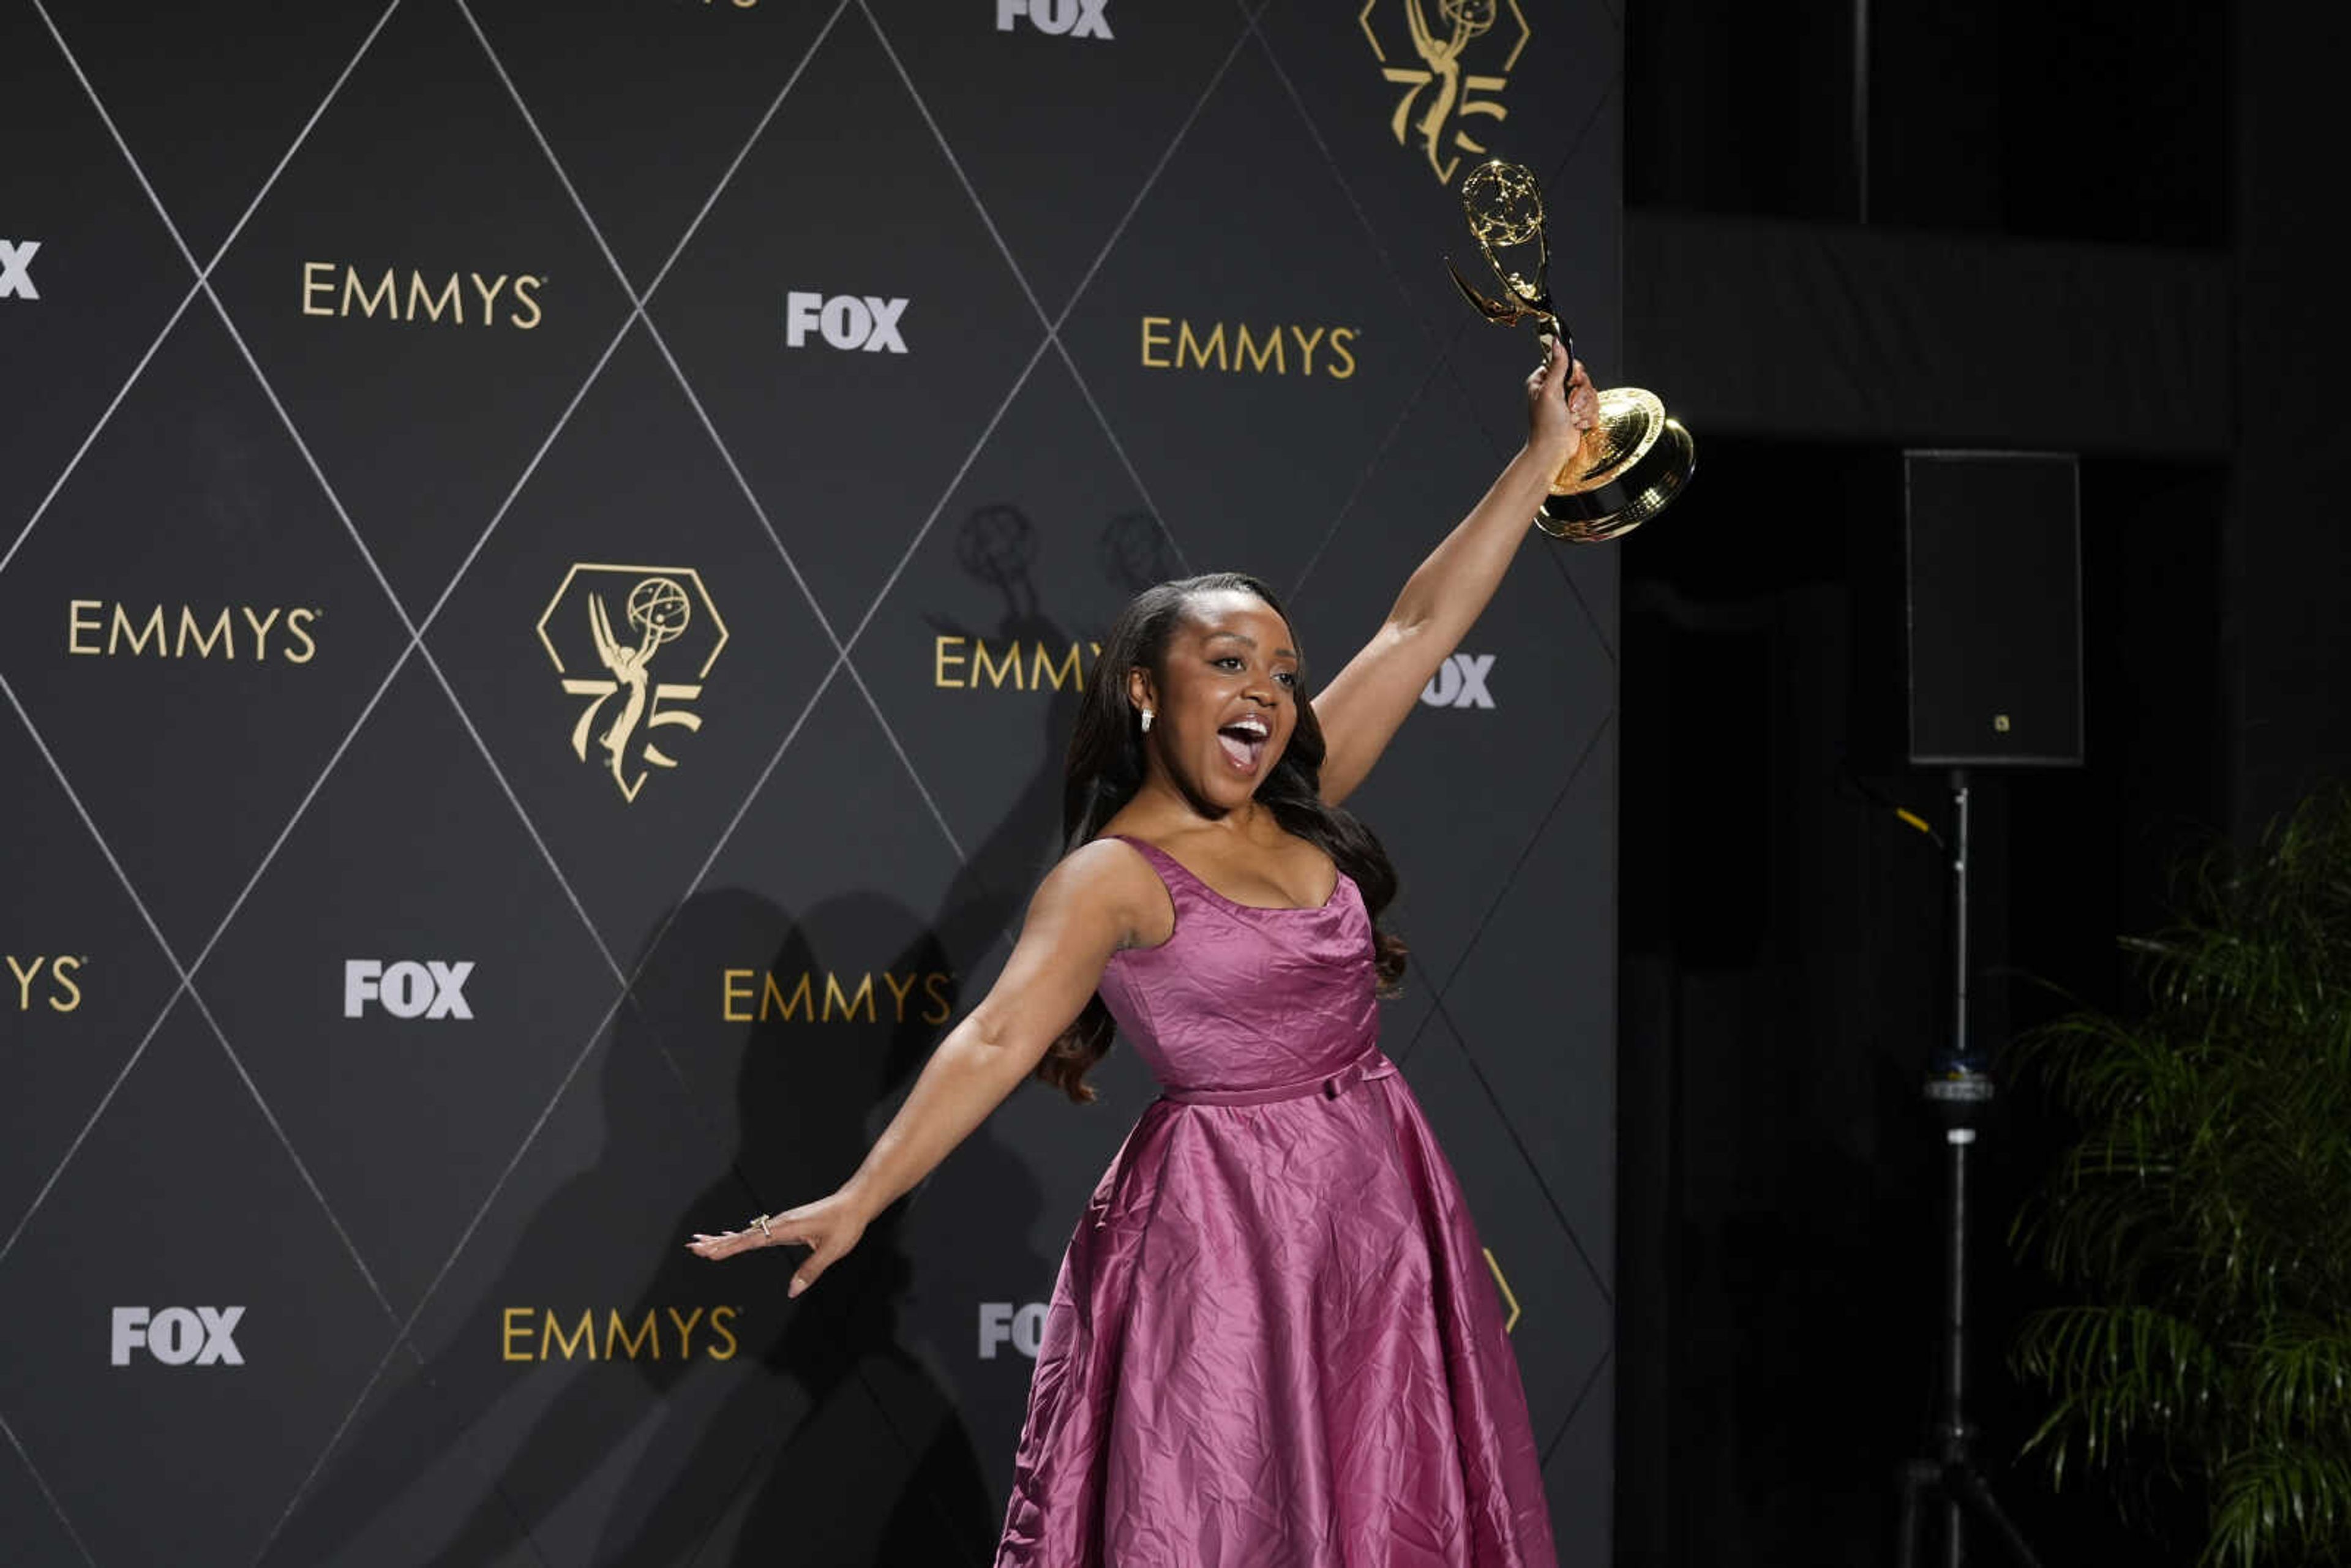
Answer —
(1255, 726)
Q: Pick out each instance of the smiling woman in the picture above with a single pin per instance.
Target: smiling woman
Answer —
(1207, 669)
(1273, 1339)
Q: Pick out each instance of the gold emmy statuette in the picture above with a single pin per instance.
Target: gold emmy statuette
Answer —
(1637, 457)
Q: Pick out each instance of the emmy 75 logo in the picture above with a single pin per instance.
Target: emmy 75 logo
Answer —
(1447, 88)
(621, 618)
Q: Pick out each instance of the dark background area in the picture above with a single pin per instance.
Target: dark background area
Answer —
(1785, 937)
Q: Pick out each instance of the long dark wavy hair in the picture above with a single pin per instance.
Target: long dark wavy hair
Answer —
(1106, 766)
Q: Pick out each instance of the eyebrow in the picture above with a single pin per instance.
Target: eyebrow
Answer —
(1249, 642)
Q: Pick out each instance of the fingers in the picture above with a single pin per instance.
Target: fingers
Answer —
(1549, 374)
(1583, 398)
(812, 1267)
(726, 1244)
(826, 1228)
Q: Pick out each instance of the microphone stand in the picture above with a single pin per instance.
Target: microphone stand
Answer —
(1961, 1097)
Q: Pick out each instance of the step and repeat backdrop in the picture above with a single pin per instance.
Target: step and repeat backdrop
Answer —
(546, 554)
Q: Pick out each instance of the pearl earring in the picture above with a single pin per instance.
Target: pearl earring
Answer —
(1147, 720)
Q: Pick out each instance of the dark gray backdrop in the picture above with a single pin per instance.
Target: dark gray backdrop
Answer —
(294, 572)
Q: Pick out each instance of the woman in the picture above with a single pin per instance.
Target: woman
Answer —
(1273, 1340)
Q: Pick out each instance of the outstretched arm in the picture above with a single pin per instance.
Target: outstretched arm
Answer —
(1083, 912)
(1364, 703)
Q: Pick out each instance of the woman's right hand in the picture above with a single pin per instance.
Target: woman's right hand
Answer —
(1562, 403)
(829, 1227)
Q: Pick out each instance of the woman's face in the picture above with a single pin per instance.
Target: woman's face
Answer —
(1225, 699)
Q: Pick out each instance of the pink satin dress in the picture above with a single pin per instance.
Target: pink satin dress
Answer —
(1274, 1342)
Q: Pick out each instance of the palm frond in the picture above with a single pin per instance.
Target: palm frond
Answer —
(2203, 1216)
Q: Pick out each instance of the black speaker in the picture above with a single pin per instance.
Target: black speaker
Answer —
(1993, 549)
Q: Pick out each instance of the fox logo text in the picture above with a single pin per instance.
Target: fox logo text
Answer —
(844, 321)
(1459, 682)
(1074, 18)
(407, 989)
(1001, 1322)
(178, 1335)
(16, 268)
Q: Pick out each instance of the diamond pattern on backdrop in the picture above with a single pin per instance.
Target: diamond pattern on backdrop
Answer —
(227, 1223)
(646, 107)
(865, 953)
(554, 630)
(1268, 356)
(636, 1452)
(849, 364)
(83, 985)
(1584, 1446)
(1007, 91)
(426, 1499)
(1563, 1325)
(30, 1520)
(979, 653)
(89, 277)
(208, 116)
(447, 323)
(1566, 1081)
(604, 500)
(798, 993)
(192, 630)
(409, 1079)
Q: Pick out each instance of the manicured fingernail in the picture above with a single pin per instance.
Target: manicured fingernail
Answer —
(797, 1286)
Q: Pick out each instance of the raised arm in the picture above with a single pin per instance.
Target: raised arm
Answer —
(1364, 703)
(1090, 905)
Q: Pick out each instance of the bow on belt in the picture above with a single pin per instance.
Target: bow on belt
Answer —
(1372, 1063)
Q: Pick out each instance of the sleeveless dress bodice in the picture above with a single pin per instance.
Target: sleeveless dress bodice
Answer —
(1245, 1000)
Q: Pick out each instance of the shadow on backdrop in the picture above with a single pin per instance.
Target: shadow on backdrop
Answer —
(849, 1448)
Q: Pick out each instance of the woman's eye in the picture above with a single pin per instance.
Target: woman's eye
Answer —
(1287, 677)
(1230, 662)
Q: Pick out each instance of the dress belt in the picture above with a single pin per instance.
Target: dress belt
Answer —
(1371, 1064)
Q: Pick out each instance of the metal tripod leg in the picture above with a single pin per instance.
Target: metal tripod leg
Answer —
(1961, 1486)
(1919, 1477)
(1965, 1485)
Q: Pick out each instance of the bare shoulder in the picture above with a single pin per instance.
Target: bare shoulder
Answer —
(1103, 876)
(1108, 885)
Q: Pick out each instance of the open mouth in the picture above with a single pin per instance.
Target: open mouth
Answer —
(1244, 742)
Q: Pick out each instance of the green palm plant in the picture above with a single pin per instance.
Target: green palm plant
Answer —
(2202, 1222)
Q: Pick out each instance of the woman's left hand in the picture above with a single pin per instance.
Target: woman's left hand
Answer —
(1562, 405)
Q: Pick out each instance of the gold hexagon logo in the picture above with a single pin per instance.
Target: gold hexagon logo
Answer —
(1467, 50)
(664, 611)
